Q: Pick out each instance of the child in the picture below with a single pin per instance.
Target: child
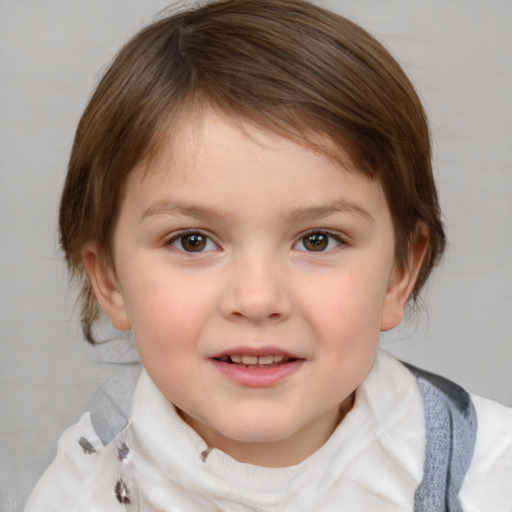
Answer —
(250, 192)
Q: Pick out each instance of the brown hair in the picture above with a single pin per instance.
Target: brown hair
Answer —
(287, 65)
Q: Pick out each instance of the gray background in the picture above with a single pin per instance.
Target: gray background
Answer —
(457, 52)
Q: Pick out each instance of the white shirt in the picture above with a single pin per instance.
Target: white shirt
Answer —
(372, 462)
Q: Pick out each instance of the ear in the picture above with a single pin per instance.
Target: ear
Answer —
(402, 281)
(106, 289)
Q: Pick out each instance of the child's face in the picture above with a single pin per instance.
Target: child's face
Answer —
(245, 245)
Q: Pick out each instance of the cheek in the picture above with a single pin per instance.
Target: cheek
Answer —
(167, 315)
(348, 299)
(168, 330)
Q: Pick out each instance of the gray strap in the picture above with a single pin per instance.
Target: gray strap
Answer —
(451, 425)
(111, 404)
(108, 418)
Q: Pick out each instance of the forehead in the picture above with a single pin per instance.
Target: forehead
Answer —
(214, 158)
(198, 120)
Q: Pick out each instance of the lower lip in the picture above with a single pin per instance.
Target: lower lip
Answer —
(257, 377)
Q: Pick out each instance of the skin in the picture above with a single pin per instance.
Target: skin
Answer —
(254, 199)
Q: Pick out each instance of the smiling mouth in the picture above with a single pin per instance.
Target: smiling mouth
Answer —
(246, 361)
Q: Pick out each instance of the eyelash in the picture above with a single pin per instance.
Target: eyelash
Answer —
(180, 236)
(323, 237)
(329, 238)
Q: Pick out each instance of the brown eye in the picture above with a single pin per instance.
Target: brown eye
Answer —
(192, 242)
(318, 241)
(315, 241)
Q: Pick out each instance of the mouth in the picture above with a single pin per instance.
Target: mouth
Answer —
(261, 367)
(256, 362)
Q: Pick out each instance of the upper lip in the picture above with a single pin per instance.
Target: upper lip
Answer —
(255, 351)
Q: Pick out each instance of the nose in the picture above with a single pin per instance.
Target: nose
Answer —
(256, 290)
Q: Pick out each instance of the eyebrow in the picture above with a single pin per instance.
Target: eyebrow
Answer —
(336, 206)
(183, 210)
(297, 215)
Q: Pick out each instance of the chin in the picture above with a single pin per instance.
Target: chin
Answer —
(258, 433)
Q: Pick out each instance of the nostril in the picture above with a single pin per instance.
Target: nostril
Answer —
(255, 296)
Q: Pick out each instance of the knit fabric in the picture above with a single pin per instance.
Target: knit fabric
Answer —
(377, 459)
(451, 427)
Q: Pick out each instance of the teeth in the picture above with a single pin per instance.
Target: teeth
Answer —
(265, 360)
(253, 360)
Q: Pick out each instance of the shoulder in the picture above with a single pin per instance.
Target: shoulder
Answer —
(488, 484)
(474, 435)
(78, 452)
(483, 438)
